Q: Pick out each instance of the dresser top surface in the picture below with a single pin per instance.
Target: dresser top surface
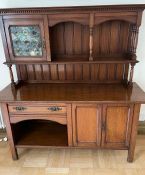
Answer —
(73, 93)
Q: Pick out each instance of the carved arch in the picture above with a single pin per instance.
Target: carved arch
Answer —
(16, 119)
(82, 19)
(113, 18)
(54, 23)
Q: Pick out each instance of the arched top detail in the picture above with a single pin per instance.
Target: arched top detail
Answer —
(82, 19)
(99, 21)
(60, 120)
(54, 23)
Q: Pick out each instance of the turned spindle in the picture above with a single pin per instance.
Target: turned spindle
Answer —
(11, 74)
(91, 36)
(131, 73)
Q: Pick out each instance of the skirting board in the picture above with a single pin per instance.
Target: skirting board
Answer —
(141, 128)
(2, 133)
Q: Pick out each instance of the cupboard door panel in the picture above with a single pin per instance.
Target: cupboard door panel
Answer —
(26, 38)
(86, 125)
(116, 125)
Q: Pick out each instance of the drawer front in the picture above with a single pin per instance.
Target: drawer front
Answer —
(30, 109)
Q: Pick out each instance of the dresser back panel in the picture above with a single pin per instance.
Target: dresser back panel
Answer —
(69, 39)
(111, 37)
(76, 72)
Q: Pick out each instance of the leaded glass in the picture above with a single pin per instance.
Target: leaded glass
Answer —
(26, 40)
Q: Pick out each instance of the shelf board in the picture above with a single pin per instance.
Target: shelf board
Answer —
(98, 61)
(40, 133)
(82, 59)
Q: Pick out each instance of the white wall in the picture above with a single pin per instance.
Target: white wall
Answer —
(139, 75)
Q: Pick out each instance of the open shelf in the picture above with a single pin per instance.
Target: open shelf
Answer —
(40, 133)
(70, 41)
(115, 58)
(80, 59)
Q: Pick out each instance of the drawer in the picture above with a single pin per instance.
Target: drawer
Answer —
(34, 109)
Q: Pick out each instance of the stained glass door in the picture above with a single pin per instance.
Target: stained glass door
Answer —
(26, 39)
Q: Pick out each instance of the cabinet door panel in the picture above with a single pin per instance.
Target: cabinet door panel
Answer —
(86, 125)
(26, 38)
(117, 125)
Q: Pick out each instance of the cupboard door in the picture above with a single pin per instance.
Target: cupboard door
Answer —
(116, 126)
(26, 38)
(86, 125)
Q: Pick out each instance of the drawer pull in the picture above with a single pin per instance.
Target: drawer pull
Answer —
(19, 108)
(54, 108)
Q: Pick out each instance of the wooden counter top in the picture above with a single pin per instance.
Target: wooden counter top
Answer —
(73, 92)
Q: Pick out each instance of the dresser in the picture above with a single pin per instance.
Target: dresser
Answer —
(74, 68)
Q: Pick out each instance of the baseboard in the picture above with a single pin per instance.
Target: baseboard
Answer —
(2, 130)
(141, 127)
(2, 133)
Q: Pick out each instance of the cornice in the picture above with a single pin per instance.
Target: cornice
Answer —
(47, 10)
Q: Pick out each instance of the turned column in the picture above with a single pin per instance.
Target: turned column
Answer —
(132, 45)
(11, 74)
(91, 36)
(131, 73)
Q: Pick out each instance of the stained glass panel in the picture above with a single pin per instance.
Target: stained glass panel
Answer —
(26, 40)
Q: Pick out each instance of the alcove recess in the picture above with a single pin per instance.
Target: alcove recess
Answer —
(40, 132)
(113, 40)
(69, 41)
(107, 46)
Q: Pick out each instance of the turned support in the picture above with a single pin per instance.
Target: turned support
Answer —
(11, 74)
(91, 44)
(131, 73)
(91, 37)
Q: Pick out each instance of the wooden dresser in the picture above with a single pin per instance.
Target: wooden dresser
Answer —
(75, 77)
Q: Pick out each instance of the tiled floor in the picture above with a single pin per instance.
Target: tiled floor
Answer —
(72, 161)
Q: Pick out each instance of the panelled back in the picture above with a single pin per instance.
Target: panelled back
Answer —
(76, 72)
(111, 37)
(69, 39)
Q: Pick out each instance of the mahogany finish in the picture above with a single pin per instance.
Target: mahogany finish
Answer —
(48, 94)
(116, 132)
(79, 92)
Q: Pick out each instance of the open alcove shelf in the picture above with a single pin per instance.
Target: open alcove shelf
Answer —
(75, 70)
(40, 133)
